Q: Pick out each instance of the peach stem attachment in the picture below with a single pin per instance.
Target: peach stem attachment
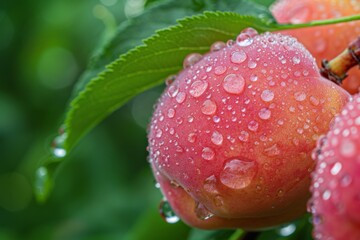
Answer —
(337, 68)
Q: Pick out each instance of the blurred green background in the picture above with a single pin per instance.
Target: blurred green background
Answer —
(105, 189)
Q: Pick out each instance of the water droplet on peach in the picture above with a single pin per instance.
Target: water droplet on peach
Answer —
(264, 113)
(209, 107)
(219, 70)
(238, 174)
(272, 151)
(198, 88)
(210, 185)
(191, 59)
(192, 137)
(267, 95)
(300, 96)
(238, 56)
(171, 113)
(180, 97)
(216, 46)
(158, 133)
(208, 153)
(296, 60)
(244, 136)
(253, 125)
(252, 64)
(202, 212)
(234, 83)
(217, 138)
(347, 148)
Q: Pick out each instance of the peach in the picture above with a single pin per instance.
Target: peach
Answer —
(336, 181)
(231, 137)
(323, 42)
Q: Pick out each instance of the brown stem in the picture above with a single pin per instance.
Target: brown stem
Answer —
(337, 68)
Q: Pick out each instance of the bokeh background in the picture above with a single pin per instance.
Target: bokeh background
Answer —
(105, 189)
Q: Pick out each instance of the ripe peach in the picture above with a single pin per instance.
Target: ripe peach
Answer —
(323, 42)
(231, 137)
(336, 181)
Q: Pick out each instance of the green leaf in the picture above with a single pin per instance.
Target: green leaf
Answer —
(148, 66)
(131, 33)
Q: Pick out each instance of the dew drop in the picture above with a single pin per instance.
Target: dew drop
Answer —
(267, 95)
(345, 180)
(179, 149)
(171, 113)
(272, 151)
(57, 146)
(217, 138)
(208, 153)
(202, 212)
(219, 70)
(253, 77)
(191, 59)
(296, 60)
(173, 91)
(42, 182)
(197, 88)
(357, 120)
(234, 84)
(216, 119)
(158, 133)
(287, 230)
(336, 168)
(300, 96)
(170, 79)
(167, 213)
(244, 136)
(252, 64)
(347, 148)
(250, 31)
(219, 201)
(264, 113)
(210, 185)
(230, 42)
(238, 174)
(314, 101)
(216, 46)
(238, 56)
(245, 38)
(326, 195)
(253, 126)
(192, 137)
(180, 97)
(209, 107)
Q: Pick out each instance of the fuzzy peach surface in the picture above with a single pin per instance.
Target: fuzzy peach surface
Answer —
(231, 138)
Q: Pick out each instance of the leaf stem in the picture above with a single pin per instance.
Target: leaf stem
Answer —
(319, 22)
